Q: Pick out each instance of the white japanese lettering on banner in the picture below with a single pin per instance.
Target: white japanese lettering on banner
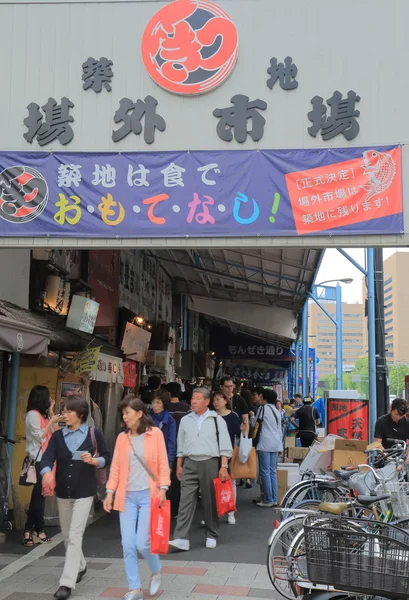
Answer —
(109, 369)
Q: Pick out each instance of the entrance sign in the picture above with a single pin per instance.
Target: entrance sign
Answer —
(354, 191)
(190, 46)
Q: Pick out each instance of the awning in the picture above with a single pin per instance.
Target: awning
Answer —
(16, 336)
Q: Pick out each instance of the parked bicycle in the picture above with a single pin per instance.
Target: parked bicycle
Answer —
(5, 479)
(344, 559)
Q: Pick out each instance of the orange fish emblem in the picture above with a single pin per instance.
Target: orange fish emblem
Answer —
(380, 169)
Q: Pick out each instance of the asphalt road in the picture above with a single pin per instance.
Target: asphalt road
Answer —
(245, 542)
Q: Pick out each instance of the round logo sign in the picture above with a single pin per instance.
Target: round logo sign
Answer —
(190, 46)
(23, 194)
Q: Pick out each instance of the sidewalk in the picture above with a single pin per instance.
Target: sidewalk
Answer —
(35, 577)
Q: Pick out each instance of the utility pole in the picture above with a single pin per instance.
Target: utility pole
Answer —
(382, 378)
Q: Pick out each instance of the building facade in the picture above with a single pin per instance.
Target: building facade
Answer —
(322, 335)
(396, 301)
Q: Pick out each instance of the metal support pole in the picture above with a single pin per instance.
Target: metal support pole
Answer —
(305, 349)
(371, 339)
(338, 334)
(297, 365)
(382, 383)
(185, 322)
(314, 373)
(12, 404)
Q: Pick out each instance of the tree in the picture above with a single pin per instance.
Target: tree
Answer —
(397, 378)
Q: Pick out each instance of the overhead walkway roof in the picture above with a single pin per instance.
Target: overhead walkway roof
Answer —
(256, 292)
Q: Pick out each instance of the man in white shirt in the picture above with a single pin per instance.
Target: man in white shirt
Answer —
(203, 443)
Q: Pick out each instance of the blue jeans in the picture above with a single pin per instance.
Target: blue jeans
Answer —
(135, 534)
(267, 462)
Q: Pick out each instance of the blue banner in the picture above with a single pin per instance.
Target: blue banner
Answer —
(201, 194)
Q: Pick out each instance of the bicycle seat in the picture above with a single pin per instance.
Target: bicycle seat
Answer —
(344, 474)
(333, 508)
(369, 500)
(333, 485)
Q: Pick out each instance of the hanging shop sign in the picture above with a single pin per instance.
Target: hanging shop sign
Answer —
(257, 376)
(129, 280)
(348, 418)
(57, 294)
(354, 191)
(83, 314)
(135, 343)
(108, 369)
(87, 360)
(130, 376)
(227, 345)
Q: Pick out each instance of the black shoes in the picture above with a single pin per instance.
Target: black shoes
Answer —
(81, 575)
(62, 593)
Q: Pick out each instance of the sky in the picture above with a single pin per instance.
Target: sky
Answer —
(336, 266)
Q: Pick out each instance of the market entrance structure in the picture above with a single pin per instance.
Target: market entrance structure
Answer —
(227, 146)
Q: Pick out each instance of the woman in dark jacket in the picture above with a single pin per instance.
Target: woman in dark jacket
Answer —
(165, 422)
(77, 451)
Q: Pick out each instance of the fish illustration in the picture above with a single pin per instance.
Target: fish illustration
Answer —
(380, 169)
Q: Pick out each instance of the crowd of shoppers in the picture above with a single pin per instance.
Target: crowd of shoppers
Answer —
(168, 448)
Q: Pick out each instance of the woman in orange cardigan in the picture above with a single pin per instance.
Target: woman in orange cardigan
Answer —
(139, 471)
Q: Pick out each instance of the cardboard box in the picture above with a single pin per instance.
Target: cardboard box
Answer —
(348, 453)
(282, 480)
(297, 453)
(290, 442)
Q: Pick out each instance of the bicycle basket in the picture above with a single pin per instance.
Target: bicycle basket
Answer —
(399, 499)
(356, 556)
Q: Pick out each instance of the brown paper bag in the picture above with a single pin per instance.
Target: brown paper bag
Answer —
(247, 470)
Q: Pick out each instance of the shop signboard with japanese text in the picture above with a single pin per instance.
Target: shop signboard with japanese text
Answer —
(348, 418)
(108, 369)
(227, 193)
(130, 375)
(135, 343)
(163, 132)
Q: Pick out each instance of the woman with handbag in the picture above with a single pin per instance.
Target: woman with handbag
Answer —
(78, 451)
(139, 473)
(40, 424)
(223, 406)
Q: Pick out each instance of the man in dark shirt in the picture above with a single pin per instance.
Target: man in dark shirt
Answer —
(176, 408)
(308, 419)
(394, 425)
(239, 404)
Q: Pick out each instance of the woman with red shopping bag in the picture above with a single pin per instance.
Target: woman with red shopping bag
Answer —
(139, 478)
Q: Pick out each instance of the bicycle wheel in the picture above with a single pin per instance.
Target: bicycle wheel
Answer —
(304, 505)
(279, 547)
(314, 490)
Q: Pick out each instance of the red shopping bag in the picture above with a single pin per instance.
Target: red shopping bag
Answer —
(224, 496)
(160, 527)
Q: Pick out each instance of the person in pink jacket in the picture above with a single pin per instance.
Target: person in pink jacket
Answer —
(139, 472)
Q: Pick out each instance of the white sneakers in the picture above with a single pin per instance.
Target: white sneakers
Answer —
(185, 545)
(231, 519)
(180, 544)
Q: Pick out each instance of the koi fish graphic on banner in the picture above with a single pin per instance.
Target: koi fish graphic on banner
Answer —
(353, 191)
